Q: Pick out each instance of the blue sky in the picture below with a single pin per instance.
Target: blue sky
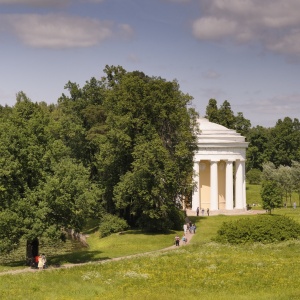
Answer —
(243, 51)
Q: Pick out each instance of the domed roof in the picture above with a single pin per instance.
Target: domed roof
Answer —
(210, 127)
(212, 133)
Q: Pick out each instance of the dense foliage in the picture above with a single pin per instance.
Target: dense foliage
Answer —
(225, 117)
(123, 145)
(279, 184)
(111, 224)
(263, 228)
(271, 195)
(279, 144)
(254, 176)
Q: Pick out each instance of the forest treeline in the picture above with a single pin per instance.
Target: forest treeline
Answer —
(121, 145)
(279, 145)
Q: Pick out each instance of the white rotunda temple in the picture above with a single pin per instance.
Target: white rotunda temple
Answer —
(219, 169)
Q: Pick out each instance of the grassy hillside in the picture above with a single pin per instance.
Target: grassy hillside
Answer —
(201, 270)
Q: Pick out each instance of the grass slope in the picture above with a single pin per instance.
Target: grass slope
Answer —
(201, 270)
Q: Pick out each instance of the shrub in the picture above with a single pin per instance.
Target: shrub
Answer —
(254, 176)
(156, 221)
(110, 224)
(262, 228)
(271, 195)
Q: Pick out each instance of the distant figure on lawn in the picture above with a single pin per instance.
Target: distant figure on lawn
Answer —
(294, 205)
(184, 239)
(193, 228)
(207, 211)
(177, 239)
(185, 228)
(202, 211)
(42, 262)
(197, 211)
(36, 261)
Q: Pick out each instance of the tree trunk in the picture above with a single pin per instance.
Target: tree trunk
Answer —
(32, 250)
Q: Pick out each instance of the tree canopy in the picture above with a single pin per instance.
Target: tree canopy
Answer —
(123, 145)
(279, 144)
(224, 116)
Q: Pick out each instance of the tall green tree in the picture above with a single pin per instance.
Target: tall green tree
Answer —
(271, 195)
(146, 157)
(296, 178)
(212, 111)
(285, 180)
(242, 125)
(284, 142)
(226, 115)
(42, 187)
(258, 151)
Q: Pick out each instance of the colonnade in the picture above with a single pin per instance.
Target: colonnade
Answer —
(220, 184)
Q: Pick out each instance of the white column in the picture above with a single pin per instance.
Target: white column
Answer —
(239, 184)
(244, 184)
(214, 193)
(196, 193)
(229, 186)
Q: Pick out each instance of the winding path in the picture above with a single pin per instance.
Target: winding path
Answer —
(66, 266)
(189, 236)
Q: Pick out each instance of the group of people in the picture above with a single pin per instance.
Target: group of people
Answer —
(187, 227)
(198, 211)
(40, 262)
(177, 240)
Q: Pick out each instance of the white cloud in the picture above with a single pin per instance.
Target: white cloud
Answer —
(125, 31)
(211, 74)
(274, 24)
(289, 43)
(263, 111)
(211, 92)
(60, 31)
(211, 28)
(133, 58)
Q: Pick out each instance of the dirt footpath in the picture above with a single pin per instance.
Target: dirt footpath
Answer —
(66, 266)
(188, 235)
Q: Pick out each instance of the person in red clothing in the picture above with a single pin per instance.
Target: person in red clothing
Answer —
(36, 261)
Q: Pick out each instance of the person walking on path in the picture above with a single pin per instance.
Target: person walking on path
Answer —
(185, 228)
(177, 239)
(42, 262)
(193, 229)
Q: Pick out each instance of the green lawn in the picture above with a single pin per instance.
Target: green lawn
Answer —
(253, 197)
(116, 245)
(201, 270)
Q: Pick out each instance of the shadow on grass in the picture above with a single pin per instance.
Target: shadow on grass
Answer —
(57, 260)
(15, 264)
(75, 258)
(195, 219)
(139, 231)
